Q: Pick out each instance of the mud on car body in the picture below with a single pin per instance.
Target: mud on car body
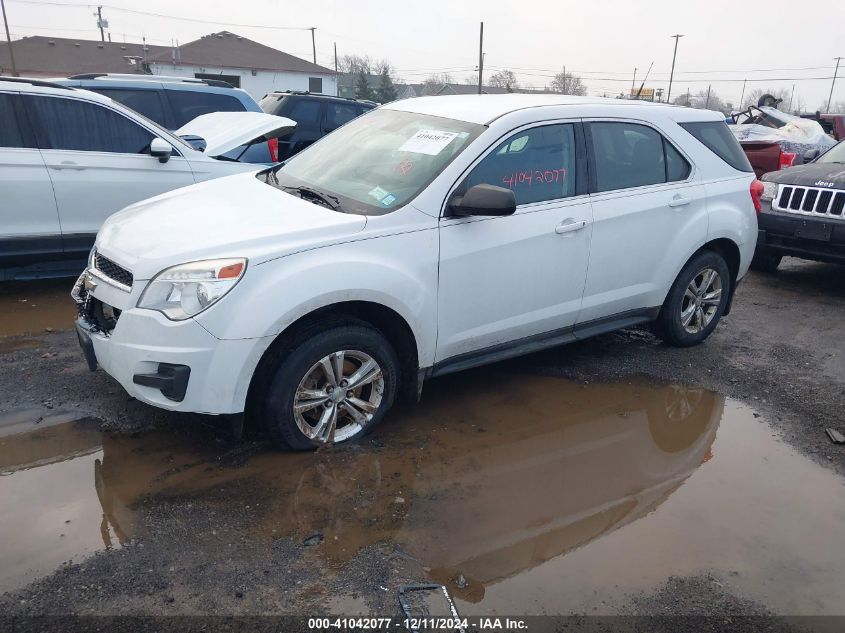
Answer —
(803, 212)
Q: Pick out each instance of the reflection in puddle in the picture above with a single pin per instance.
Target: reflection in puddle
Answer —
(533, 491)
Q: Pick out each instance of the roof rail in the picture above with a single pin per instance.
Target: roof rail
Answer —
(218, 83)
(318, 94)
(35, 82)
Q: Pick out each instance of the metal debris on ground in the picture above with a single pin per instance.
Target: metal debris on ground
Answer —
(835, 436)
(422, 600)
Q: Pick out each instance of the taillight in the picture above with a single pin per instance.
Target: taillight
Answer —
(756, 195)
(786, 160)
(273, 144)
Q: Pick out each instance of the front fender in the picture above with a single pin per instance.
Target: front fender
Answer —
(396, 271)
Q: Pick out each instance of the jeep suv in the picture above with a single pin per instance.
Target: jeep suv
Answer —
(174, 101)
(315, 114)
(425, 237)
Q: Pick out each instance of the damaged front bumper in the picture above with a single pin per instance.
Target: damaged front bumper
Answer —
(175, 365)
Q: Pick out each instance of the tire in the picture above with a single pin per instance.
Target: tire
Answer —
(300, 377)
(675, 324)
(765, 261)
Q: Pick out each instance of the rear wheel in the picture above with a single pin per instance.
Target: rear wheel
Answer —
(765, 260)
(331, 386)
(696, 301)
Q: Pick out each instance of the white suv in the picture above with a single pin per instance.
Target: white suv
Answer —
(428, 236)
(70, 158)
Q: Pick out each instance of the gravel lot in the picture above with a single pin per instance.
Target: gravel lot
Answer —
(183, 519)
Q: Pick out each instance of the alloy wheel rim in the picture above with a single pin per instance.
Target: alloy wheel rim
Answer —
(338, 396)
(701, 300)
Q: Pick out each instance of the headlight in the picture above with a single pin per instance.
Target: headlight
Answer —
(770, 190)
(186, 290)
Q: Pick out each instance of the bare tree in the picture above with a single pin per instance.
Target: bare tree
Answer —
(568, 84)
(753, 96)
(837, 107)
(471, 80)
(435, 81)
(504, 79)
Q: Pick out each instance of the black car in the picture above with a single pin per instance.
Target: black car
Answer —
(315, 114)
(803, 212)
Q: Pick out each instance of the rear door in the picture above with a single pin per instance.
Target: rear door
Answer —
(308, 114)
(99, 162)
(29, 220)
(649, 216)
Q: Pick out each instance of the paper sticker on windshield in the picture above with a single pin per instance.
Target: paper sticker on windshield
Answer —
(429, 142)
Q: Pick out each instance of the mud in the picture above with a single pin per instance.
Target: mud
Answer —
(31, 308)
(540, 494)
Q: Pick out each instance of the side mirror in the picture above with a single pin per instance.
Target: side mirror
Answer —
(810, 155)
(483, 200)
(161, 149)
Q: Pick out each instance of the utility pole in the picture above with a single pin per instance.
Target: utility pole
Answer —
(634, 81)
(100, 23)
(313, 43)
(742, 96)
(9, 39)
(335, 56)
(707, 100)
(480, 56)
(829, 99)
(790, 97)
(677, 36)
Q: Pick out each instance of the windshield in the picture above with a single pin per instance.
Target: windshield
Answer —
(835, 154)
(375, 163)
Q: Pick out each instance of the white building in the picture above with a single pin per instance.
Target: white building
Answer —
(244, 63)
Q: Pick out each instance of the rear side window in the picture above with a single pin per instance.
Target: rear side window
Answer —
(305, 111)
(188, 105)
(146, 102)
(719, 140)
(11, 134)
(77, 125)
(537, 164)
(631, 155)
(339, 113)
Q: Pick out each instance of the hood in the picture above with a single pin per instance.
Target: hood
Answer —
(828, 175)
(224, 131)
(235, 216)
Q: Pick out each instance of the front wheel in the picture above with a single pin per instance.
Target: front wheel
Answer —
(696, 301)
(331, 386)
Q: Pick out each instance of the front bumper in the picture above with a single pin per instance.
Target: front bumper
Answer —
(175, 365)
(802, 236)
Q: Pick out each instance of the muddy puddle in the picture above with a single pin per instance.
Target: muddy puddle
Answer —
(34, 307)
(544, 495)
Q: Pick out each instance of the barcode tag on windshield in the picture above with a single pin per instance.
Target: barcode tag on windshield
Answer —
(429, 142)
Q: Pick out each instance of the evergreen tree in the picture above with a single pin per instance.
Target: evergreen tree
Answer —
(362, 88)
(386, 91)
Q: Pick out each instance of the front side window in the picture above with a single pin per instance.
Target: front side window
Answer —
(537, 164)
(69, 124)
(146, 102)
(632, 155)
(377, 162)
(189, 104)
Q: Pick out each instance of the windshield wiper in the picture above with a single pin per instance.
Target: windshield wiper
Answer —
(333, 202)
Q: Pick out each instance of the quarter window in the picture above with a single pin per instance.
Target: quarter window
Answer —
(536, 164)
(76, 125)
(189, 104)
(632, 155)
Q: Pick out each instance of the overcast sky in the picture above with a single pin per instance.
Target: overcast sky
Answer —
(602, 41)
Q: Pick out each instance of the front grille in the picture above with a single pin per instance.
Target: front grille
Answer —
(112, 270)
(810, 201)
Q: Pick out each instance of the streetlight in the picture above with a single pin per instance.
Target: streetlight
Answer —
(677, 36)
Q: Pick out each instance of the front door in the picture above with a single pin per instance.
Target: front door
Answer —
(511, 279)
(99, 162)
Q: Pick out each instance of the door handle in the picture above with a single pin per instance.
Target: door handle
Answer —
(570, 225)
(68, 164)
(679, 201)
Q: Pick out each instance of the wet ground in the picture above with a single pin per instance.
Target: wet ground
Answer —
(612, 476)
